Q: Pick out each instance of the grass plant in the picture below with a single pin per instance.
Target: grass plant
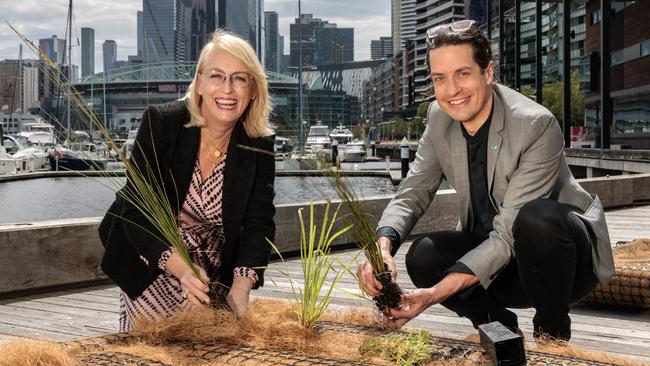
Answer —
(316, 293)
(144, 189)
(364, 232)
(406, 349)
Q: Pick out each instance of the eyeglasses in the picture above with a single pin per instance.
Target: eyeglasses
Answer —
(217, 78)
(457, 27)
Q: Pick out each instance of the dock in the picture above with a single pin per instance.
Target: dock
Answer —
(94, 310)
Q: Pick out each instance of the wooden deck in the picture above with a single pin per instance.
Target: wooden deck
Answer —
(94, 310)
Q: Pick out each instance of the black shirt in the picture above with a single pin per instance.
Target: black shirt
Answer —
(482, 208)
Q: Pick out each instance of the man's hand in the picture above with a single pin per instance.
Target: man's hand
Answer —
(412, 304)
(416, 302)
(239, 294)
(367, 280)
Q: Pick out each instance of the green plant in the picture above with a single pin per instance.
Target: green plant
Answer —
(405, 349)
(364, 225)
(144, 189)
(315, 248)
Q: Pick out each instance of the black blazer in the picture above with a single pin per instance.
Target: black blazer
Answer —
(132, 244)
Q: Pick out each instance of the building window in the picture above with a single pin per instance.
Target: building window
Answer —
(596, 16)
(645, 48)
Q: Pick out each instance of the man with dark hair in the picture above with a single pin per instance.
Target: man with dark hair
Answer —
(528, 234)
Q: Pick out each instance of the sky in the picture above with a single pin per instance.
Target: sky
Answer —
(117, 21)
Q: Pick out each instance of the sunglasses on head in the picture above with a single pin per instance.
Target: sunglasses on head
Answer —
(457, 27)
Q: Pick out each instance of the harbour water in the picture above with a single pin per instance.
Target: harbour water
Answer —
(76, 197)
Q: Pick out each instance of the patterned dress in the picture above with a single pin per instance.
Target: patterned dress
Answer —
(202, 231)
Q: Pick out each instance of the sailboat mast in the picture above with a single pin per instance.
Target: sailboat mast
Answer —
(302, 142)
(69, 40)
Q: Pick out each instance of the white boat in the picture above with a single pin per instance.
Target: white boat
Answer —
(38, 132)
(318, 137)
(7, 162)
(282, 146)
(355, 151)
(28, 157)
(341, 134)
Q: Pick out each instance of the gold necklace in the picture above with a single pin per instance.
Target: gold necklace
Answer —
(218, 152)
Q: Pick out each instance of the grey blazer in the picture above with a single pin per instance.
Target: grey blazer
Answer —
(525, 161)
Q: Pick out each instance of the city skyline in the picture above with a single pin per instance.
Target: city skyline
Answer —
(370, 19)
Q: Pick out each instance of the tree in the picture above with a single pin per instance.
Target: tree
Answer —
(422, 110)
(552, 99)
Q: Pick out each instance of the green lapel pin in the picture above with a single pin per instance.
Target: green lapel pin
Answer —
(494, 147)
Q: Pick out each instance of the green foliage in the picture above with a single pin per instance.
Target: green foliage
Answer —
(402, 349)
(315, 248)
(363, 224)
(422, 109)
(552, 98)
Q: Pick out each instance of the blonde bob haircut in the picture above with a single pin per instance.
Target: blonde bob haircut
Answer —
(256, 116)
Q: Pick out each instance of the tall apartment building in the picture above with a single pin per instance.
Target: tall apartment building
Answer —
(245, 18)
(53, 48)
(381, 48)
(553, 35)
(19, 83)
(199, 21)
(322, 42)
(109, 52)
(407, 22)
(395, 30)
(430, 13)
(140, 32)
(87, 51)
(272, 52)
(162, 23)
(629, 41)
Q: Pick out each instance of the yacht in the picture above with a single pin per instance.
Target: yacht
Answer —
(282, 146)
(355, 151)
(318, 137)
(37, 131)
(7, 162)
(28, 157)
(341, 134)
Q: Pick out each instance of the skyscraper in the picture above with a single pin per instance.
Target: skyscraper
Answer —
(245, 18)
(322, 42)
(109, 49)
(381, 48)
(140, 24)
(53, 48)
(162, 22)
(395, 25)
(199, 21)
(271, 42)
(87, 51)
(407, 21)
(429, 13)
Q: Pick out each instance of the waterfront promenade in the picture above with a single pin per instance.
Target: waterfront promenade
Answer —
(90, 311)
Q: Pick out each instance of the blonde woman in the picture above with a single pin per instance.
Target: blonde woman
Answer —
(215, 151)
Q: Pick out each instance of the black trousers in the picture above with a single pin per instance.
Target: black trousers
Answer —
(552, 269)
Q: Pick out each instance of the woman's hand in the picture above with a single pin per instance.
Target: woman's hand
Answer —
(239, 294)
(193, 289)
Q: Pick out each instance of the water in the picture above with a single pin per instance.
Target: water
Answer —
(77, 197)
